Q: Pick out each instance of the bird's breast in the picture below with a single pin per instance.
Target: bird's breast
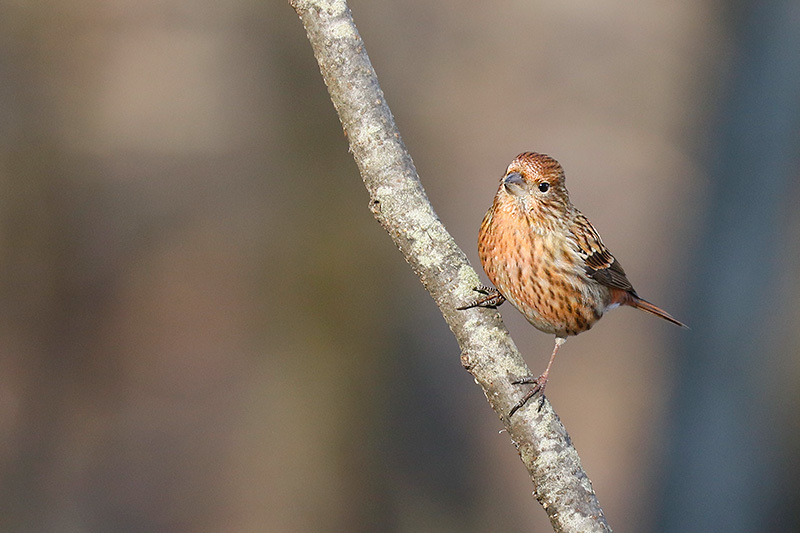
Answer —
(540, 273)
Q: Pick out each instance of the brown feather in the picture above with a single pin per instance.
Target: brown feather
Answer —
(600, 265)
(644, 305)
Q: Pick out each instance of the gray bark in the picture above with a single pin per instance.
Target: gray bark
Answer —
(400, 204)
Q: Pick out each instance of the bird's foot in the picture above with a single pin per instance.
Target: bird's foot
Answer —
(492, 298)
(538, 388)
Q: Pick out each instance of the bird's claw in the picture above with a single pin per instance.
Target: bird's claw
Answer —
(493, 298)
(538, 387)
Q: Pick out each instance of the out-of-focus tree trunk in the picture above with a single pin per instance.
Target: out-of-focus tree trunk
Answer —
(723, 472)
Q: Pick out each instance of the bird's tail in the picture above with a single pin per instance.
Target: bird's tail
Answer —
(644, 305)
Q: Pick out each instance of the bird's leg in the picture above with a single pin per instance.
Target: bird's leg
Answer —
(493, 298)
(538, 383)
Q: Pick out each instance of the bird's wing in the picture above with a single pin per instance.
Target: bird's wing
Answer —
(600, 265)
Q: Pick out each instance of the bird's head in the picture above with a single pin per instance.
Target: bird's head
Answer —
(534, 183)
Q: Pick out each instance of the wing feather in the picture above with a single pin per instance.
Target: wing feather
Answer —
(600, 265)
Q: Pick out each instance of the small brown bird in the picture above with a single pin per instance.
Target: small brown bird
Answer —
(547, 259)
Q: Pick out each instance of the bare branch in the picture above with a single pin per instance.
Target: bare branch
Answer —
(398, 201)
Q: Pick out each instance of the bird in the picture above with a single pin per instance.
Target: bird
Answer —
(545, 257)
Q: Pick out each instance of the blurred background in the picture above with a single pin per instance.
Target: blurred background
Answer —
(203, 328)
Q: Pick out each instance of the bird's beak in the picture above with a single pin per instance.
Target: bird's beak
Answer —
(514, 183)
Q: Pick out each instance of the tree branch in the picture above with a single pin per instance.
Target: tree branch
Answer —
(400, 204)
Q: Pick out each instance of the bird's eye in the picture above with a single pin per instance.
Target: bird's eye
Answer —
(544, 186)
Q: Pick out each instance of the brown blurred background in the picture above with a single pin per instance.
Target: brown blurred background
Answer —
(203, 328)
